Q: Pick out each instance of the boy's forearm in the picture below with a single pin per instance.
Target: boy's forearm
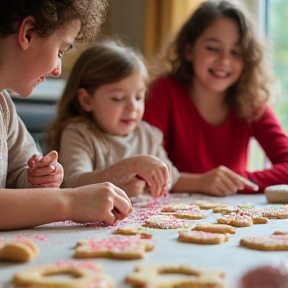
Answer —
(25, 208)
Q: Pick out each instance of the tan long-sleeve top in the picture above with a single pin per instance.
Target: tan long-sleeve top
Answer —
(83, 150)
(16, 146)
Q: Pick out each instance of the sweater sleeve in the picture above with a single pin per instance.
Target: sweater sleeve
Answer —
(21, 147)
(158, 106)
(76, 153)
(157, 140)
(273, 140)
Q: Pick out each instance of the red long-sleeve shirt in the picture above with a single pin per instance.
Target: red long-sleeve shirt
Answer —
(196, 146)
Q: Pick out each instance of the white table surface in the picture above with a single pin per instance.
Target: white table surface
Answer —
(56, 242)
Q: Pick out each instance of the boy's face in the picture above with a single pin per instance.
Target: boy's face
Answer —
(44, 58)
(119, 107)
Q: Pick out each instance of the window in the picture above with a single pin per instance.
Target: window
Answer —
(276, 18)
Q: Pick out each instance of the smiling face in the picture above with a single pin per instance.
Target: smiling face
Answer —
(118, 107)
(42, 57)
(216, 56)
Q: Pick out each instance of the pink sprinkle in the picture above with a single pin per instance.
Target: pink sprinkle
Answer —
(39, 237)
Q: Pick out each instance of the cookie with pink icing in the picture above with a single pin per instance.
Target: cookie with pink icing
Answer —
(200, 237)
(266, 243)
(84, 274)
(164, 222)
(235, 220)
(116, 246)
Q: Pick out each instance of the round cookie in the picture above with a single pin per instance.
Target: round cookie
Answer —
(277, 193)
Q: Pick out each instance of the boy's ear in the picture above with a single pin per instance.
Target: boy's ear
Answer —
(84, 99)
(26, 31)
(188, 52)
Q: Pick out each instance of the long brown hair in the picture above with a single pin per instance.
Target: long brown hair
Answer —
(250, 94)
(107, 61)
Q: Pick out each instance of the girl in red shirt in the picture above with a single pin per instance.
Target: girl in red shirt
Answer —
(210, 98)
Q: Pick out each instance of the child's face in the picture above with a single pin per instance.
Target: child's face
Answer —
(216, 56)
(44, 58)
(119, 107)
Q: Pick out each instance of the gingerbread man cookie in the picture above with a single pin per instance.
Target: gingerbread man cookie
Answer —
(117, 246)
(175, 276)
(86, 274)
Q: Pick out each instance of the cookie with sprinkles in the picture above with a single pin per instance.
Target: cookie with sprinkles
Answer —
(225, 209)
(175, 276)
(116, 246)
(206, 205)
(174, 207)
(129, 230)
(201, 237)
(275, 213)
(215, 228)
(255, 214)
(235, 220)
(85, 274)
(164, 222)
(266, 243)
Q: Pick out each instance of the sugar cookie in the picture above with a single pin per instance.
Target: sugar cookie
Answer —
(235, 220)
(129, 230)
(206, 205)
(174, 207)
(117, 246)
(200, 237)
(168, 276)
(23, 250)
(215, 228)
(164, 222)
(266, 243)
(86, 274)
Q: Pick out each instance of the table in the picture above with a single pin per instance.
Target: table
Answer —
(56, 242)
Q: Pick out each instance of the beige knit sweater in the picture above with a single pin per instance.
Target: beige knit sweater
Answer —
(16, 146)
(83, 150)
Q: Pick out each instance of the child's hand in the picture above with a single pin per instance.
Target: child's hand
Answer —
(45, 171)
(103, 202)
(134, 186)
(155, 173)
(222, 181)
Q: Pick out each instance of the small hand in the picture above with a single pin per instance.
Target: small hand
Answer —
(222, 181)
(156, 174)
(45, 171)
(134, 186)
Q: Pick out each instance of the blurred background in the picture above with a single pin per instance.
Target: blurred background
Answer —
(146, 25)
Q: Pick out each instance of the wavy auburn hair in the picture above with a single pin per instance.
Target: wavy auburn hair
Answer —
(250, 94)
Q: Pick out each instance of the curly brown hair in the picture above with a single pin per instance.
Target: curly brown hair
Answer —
(250, 94)
(50, 15)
